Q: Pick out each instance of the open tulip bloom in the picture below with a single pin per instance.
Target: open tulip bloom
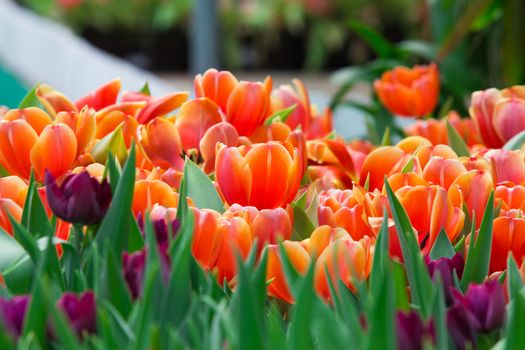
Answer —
(239, 220)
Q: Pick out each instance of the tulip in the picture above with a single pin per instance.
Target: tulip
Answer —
(445, 267)
(346, 260)
(298, 258)
(499, 115)
(412, 333)
(147, 193)
(17, 138)
(80, 310)
(12, 314)
(430, 210)
(79, 199)
(443, 172)
(276, 131)
(424, 150)
(36, 117)
(216, 86)
(486, 302)
(82, 124)
(106, 123)
(510, 197)
(247, 175)
(105, 95)
(194, 119)
(322, 237)
(55, 150)
(409, 92)
(400, 180)
(13, 191)
(340, 208)
(206, 242)
(382, 161)
(248, 106)
(161, 143)
(507, 237)
(164, 222)
(506, 166)
(285, 96)
(223, 133)
(54, 101)
(134, 268)
(155, 107)
(461, 327)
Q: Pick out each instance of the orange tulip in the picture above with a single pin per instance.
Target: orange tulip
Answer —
(247, 175)
(237, 238)
(108, 122)
(285, 96)
(473, 188)
(399, 180)
(54, 101)
(274, 132)
(409, 92)
(443, 172)
(17, 138)
(194, 119)
(54, 150)
(322, 237)
(150, 192)
(340, 208)
(299, 259)
(36, 117)
(507, 238)
(248, 106)
(330, 176)
(155, 107)
(510, 197)
(424, 150)
(161, 143)
(499, 114)
(382, 161)
(346, 260)
(82, 124)
(269, 226)
(430, 209)
(506, 166)
(206, 243)
(223, 133)
(8, 207)
(13, 191)
(105, 95)
(216, 86)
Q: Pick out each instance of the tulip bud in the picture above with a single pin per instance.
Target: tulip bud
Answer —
(80, 310)
(80, 199)
(412, 333)
(12, 314)
(445, 267)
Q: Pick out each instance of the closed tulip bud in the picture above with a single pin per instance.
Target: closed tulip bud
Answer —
(215, 85)
(510, 197)
(206, 243)
(298, 258)
(382, 161)
(55, 150)
(506, 166)
(409, 92)
(462, 327)
(82, 124)
(105, 95)
(223, 133)
(13, 191)
(499, 115)
(195, 117)
(507, 237)
(246, 175)
(412, 333)
(79, 199)
(17, 138)
(36, 117)
(443, 172)
(134, 268)
(322, 237)
(147, 193)
(12, 314)
(445, 267)
(80, 310)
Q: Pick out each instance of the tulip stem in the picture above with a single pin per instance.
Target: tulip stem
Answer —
(78, 233)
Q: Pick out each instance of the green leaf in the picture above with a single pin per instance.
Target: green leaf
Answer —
(113, 286)
(18, 277)
(515, 336)
(400, 286)
(34, 216)
(424, 49)
(438, 313)
(409, 166)
(200, 188)
(280, 115)
(145, 315)
(115, 326)
(135, 239)
(386, 139)
(302, 226)
(381, 259)
(478, 255)
(145, 89)
(115, 225)
(514, 281)
(379, 44)
(10, 250)
(419, 280)
(516, 142)
(113, 143)
(30, 99)
(456, 142)
(442, 247)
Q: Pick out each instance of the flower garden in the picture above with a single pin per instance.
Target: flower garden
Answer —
(238, 219)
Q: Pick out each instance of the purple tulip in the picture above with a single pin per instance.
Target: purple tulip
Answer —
(12, 313)
(486, 303)
(445, 267)
(461, 326)
(80, 310)
(80, 199)
(134, 268)
(161, 228)
(412, 332)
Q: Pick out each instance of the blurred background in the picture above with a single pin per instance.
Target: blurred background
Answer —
(336, 46)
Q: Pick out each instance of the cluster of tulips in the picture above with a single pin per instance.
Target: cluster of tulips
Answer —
(288, 186)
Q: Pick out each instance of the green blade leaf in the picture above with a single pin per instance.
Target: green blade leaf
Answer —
(516, 142)
(515, 335)
(514, 281)
(280, 115)
(34, 216)
(442, 247)
(302, 226)
(478, 256)
(456, 142)
(30, 99)
(200, 188)
(379, 44)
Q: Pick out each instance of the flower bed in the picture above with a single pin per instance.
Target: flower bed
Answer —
(238, 219)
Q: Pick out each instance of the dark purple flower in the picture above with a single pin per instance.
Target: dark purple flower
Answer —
(161, 226)
(12, 313)
(445, 267)
(461, 326)
(134, 266)
(80, 310)
(412, 332)
(80, 199)
(486, 303)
